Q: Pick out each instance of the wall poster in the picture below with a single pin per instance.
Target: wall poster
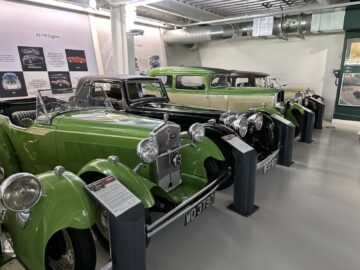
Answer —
(350, 90)
(41, 53)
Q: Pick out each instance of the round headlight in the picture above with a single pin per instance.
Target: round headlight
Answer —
(147, 150)
(227, 118)
(197, 132)
(280, 106)
(241, 126)
(309, 92)
(256, 119)
(20, 192)
(298, 97)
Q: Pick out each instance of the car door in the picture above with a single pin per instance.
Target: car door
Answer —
(218, 92)
(190, 90)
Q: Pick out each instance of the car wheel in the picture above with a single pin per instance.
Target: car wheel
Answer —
(100, 228)
(213, 168)
(71, 249)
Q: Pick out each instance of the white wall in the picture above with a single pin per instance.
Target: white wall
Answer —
(299, 63)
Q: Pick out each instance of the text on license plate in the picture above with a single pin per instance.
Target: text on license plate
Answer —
(270, 164)
(199, 208)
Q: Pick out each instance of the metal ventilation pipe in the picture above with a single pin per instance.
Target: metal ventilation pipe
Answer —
(297, 24)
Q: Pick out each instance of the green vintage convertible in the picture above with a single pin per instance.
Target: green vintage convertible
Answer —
(211, 88)
(165, 168)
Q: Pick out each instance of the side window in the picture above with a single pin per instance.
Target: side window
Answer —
(190, 82)
(166, 80)
(242, 82)
(113, 90)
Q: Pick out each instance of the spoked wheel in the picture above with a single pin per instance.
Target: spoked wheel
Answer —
(71, 249)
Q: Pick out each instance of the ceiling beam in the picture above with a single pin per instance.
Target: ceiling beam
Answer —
(185, 10)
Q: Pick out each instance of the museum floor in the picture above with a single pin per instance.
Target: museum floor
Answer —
(309, 217)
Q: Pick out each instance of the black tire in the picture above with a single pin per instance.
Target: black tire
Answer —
(300, 120)
(104, 241)
(81, 245)
(213, 168)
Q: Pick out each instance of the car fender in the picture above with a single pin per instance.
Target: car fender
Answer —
(193, 157)
(294, 108)
(269, 111)
(8, 160)
(137, 184)
(64, 204)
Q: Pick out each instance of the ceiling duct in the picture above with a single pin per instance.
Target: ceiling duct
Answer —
(288, 25)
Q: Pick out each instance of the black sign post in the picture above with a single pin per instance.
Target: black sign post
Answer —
(308, 126)
(126, 224)
(287, 134)
(244, 178)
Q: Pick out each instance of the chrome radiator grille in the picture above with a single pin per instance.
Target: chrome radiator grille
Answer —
(168, 166)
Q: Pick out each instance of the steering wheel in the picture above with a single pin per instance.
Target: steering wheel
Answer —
(57, 106)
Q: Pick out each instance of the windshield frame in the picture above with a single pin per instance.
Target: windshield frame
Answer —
(49, 116)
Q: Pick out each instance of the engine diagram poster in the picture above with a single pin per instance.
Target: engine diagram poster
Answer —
(350, 90)
(38, 49)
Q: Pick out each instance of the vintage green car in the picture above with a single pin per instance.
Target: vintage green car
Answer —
(307, 97)
(45, 221)
(211, 88)
(165, 168)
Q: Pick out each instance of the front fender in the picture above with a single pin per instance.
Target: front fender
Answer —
(8, 160)
(64, 204)
(193, 158)
(137, 184)
(294, 108)
(269, 111)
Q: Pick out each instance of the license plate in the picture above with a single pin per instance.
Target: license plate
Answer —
(270, 164)
(199, 208)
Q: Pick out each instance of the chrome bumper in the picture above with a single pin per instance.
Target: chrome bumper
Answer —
(186, 205)
(262, 163)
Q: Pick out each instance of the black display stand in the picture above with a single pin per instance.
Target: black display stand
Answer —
(319, 115)
(308, 126)
(287, 134)
(244, 176)
(126, 224)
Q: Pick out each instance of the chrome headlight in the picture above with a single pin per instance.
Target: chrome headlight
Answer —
(309, 92)
(280, 106)
(241, 126)
(20, 192)
(257, 119)
(197, 132)
(298, 97)
(147, 150)
(227, 118)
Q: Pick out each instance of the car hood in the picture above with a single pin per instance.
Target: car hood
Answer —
(107, 123)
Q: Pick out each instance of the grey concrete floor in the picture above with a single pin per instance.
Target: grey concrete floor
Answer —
(309, 218)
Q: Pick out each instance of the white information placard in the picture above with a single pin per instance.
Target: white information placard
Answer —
(235, 141)
(113, 195)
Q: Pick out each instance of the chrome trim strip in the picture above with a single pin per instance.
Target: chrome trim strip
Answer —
(262, 163)
(213, 186)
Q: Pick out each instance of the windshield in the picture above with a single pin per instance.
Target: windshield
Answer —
(50, 103)
(139, 90)
(220, 80)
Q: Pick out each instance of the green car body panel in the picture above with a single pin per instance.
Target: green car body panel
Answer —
(77, 138)
(236, 99)
(63, 204)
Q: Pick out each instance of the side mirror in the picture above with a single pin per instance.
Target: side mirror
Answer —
(27, 122)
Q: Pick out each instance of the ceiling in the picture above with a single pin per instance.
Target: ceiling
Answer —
(182, 12)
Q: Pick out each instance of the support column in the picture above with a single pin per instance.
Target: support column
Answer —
(119, 39)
